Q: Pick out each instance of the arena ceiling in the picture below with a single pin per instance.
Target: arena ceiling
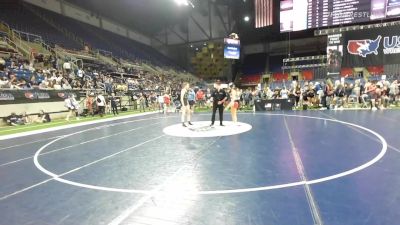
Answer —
(147, 16)
(150, 16)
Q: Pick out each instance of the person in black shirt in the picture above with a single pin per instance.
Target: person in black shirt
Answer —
(114, 100)
(219, 97)
(14, 120)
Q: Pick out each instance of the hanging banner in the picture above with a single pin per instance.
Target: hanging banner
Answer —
(334, 52)
(372, 47)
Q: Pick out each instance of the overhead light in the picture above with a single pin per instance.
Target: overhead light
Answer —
(246, 18)
(197, 49)
(184, 3)
(191, 46)
(205, 44)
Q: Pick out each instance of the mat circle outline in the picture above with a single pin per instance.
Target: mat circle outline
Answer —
(227, 191)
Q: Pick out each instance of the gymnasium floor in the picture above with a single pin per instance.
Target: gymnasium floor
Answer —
(306, 167)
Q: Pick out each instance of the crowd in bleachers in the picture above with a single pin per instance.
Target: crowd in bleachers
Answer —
(374, 93)
(143, 87)
(18, 73)
(65, 34)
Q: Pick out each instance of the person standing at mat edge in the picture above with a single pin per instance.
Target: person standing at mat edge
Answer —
(101, 104)
(219, 97)
(72, 105)
(114, 101)
(185, 109)
(234, 103)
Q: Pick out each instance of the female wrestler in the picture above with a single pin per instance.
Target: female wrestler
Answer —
(185, 109)
(234, 103)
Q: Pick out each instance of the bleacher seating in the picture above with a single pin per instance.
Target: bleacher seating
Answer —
(22, 19)
(97, 38)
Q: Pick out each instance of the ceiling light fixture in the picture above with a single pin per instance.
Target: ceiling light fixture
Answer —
(184, 3)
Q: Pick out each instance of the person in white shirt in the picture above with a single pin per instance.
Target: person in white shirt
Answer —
(101, 104)
(57, 86)
(284, 93)
(160, 100)
(44, 84)
(80, 74)
(4, 83)
(65, 84)
(67, 66)
(72, 105)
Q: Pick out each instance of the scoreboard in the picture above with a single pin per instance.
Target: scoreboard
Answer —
(305, 14)
(231, 48)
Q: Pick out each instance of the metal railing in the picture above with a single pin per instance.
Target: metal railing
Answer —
(11, 43)
(28, 36)
(16, 39)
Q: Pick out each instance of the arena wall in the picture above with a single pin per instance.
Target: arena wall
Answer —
(33, 108)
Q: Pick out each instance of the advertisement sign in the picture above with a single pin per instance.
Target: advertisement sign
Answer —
(371, 47)
(34, 96)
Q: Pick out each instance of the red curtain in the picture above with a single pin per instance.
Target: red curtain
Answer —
(375, 70)
(346, 72)
(250, 79)
(308, 75)
(280, 76)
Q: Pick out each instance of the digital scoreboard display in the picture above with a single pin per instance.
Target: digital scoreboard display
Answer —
(231, 48)
(298, 15)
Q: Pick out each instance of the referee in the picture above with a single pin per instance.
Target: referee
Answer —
(219, 97)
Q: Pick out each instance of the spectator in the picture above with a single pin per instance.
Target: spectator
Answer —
(167, 102)
(394, 91)
(72, 105)
(25, 118)
(356, 93)
(4, 82)
(114, 101)
(200, 97)
(371, 92)
(14, 120)
(2, 64)
(66, 85)
(284, 93)
(57, 85)
(160, 100)
(90, 104)
(339, 95)
(191, 98)
(43, 117)
(142, 102)
(101, 104)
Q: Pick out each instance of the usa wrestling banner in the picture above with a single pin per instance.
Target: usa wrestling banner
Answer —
(34, 96)
(372, 47)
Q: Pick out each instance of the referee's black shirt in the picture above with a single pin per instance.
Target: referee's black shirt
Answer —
(218, 95)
